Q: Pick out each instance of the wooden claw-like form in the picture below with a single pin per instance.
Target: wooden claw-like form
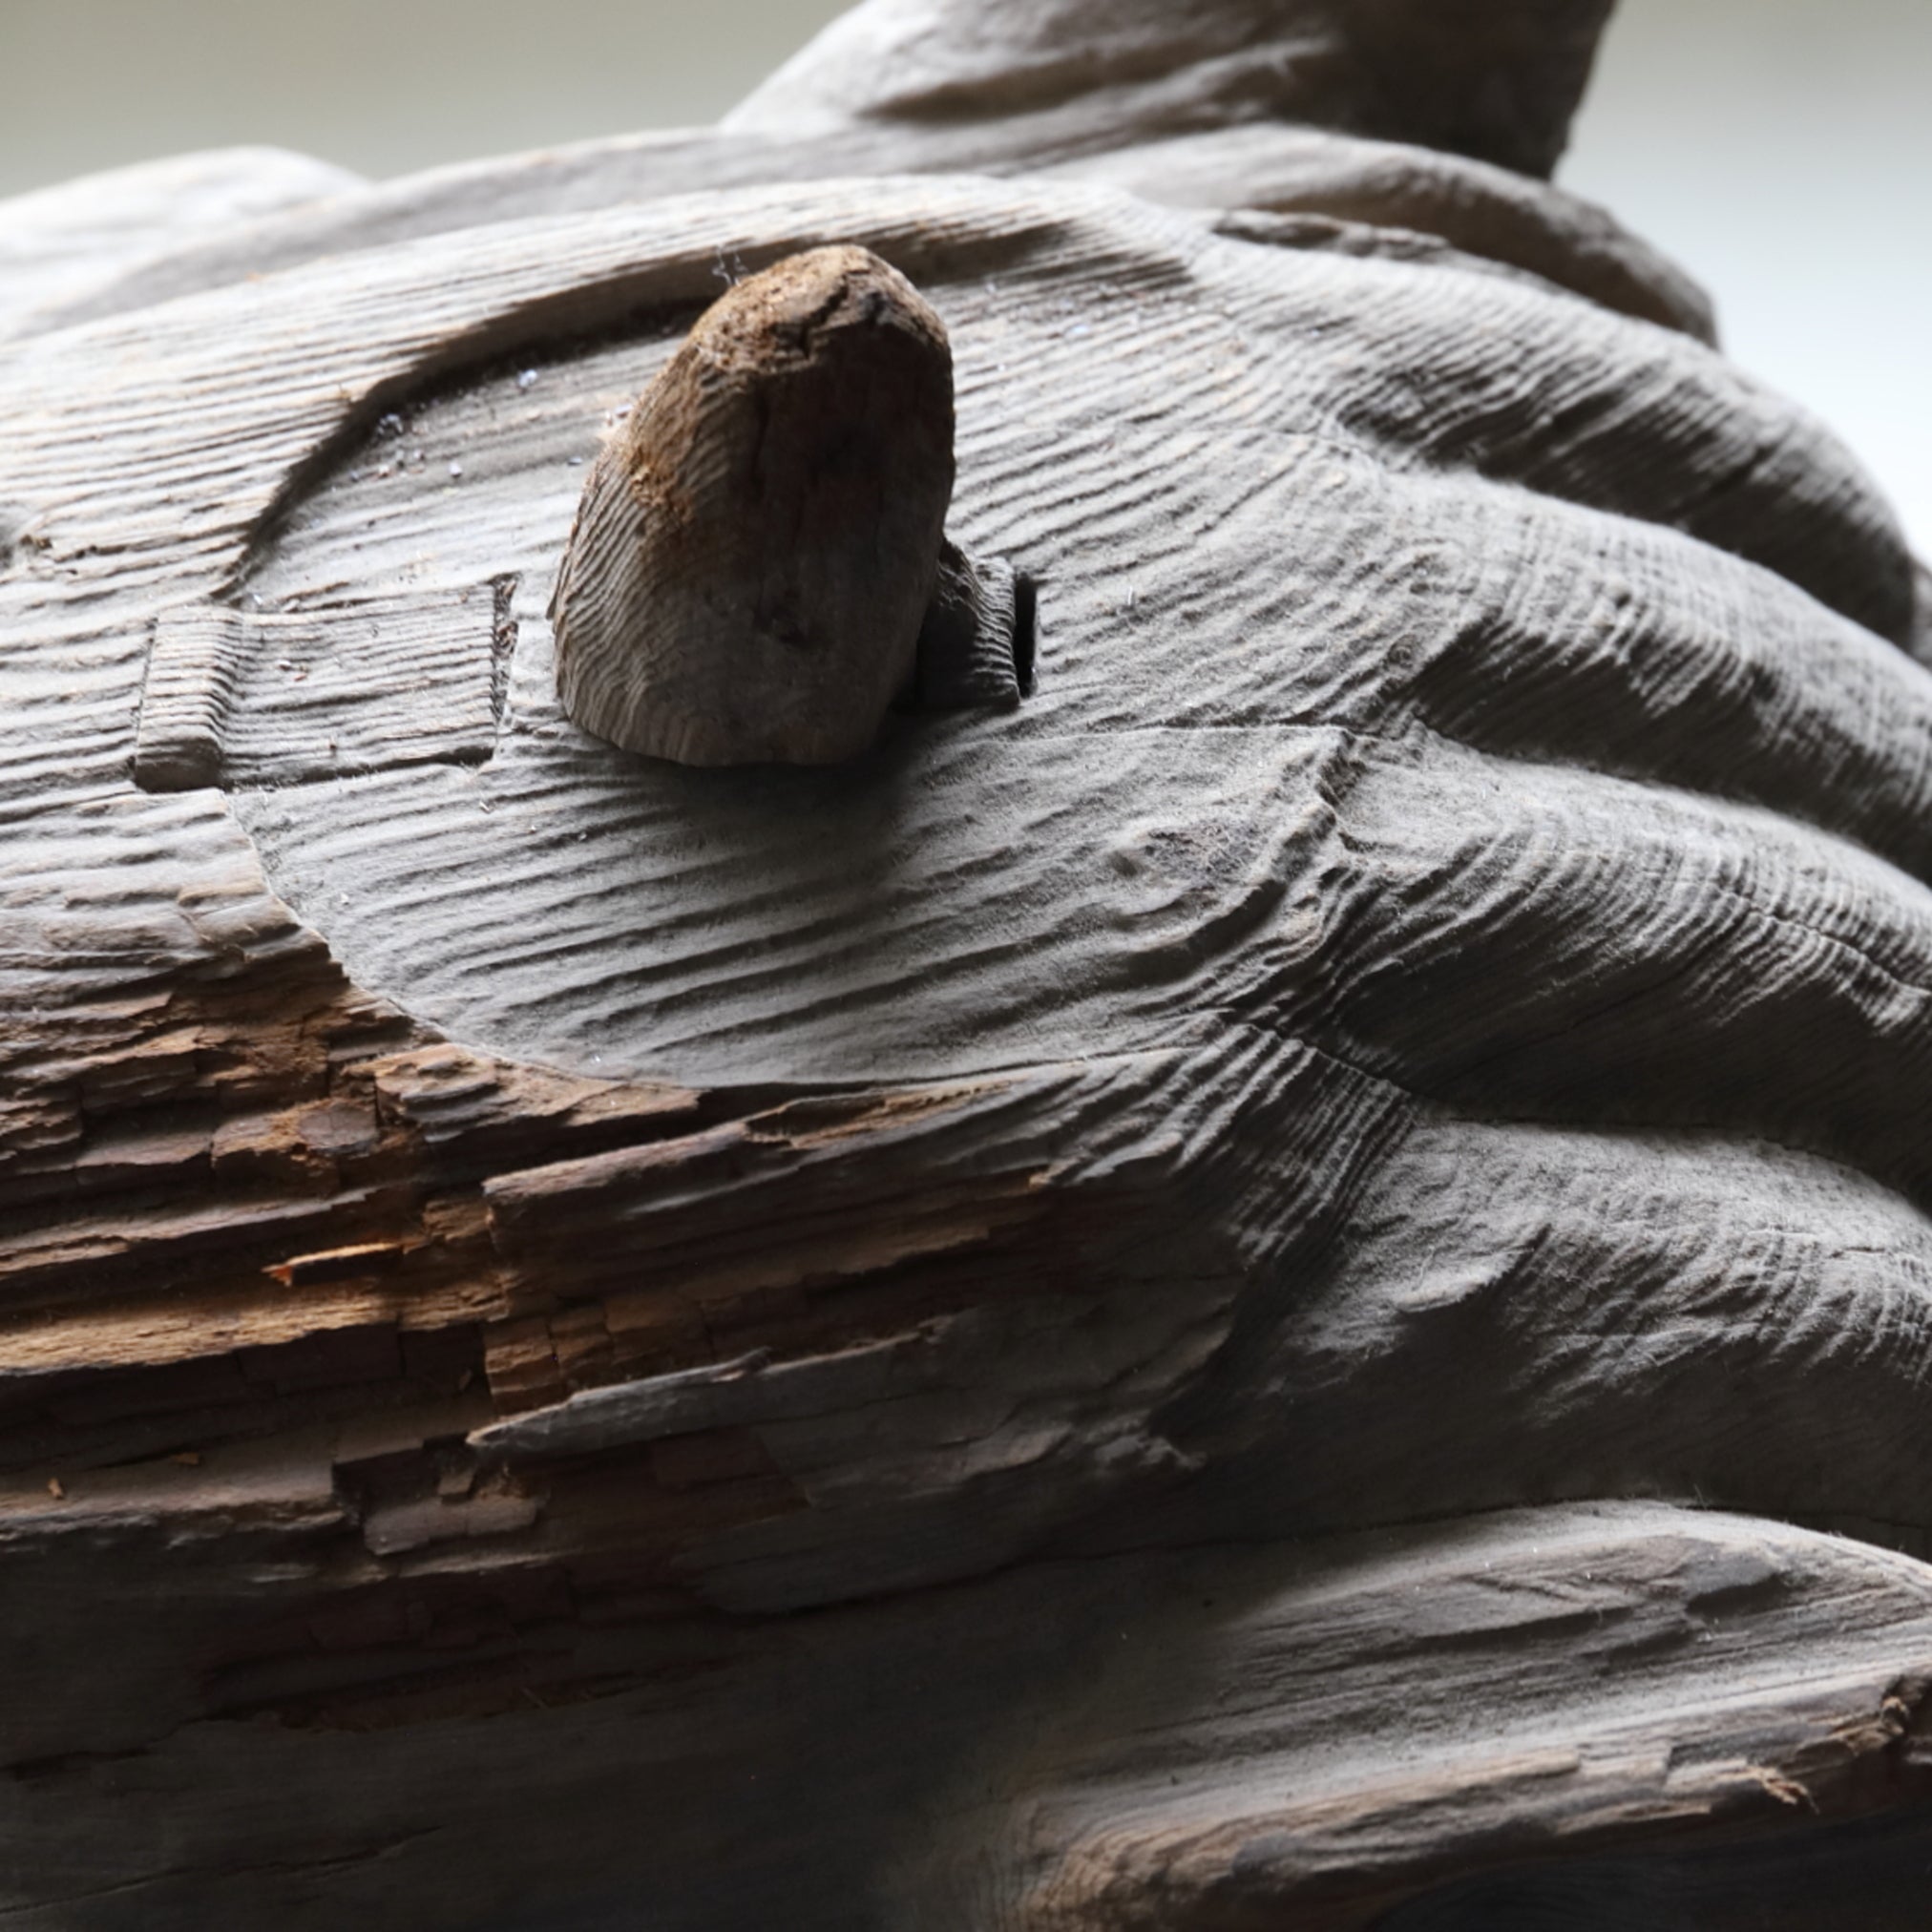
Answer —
(757, 545)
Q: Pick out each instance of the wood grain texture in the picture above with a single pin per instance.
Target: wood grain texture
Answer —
(978, 642)
(234, 697)
(1277, 1275)
(1160, 1815)
(752, 559)
(1392, 195)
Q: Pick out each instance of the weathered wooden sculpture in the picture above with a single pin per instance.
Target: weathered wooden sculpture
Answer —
(1239, 1241)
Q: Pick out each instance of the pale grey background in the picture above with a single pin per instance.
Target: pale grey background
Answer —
(1782, 149)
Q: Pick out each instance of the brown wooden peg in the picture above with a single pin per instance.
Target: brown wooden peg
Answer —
(757, 545)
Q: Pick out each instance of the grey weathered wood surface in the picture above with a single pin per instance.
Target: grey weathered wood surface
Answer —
(71, 244)
(1287, 1283)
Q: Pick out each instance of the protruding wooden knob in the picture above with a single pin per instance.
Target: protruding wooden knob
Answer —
(757, 545)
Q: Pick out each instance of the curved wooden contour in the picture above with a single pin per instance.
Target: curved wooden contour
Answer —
(1286, 1283)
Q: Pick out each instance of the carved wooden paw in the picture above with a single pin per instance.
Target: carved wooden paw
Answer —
(1264, 1264)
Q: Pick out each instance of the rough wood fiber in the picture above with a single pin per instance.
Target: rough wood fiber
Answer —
(1282, 1281)
(756, 548)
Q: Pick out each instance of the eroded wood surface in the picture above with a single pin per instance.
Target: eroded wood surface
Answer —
(1287, 1279)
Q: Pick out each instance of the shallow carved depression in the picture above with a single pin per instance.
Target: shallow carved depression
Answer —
(1329, 743)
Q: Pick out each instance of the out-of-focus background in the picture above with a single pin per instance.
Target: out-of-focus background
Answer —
(1782, 149)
